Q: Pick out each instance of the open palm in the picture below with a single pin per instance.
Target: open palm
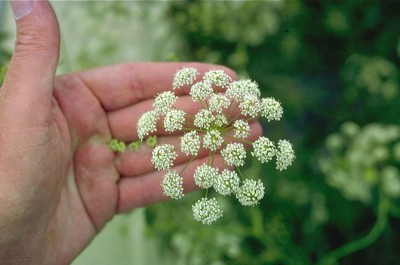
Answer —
(59, 181)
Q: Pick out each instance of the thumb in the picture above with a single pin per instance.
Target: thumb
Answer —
(33, 65)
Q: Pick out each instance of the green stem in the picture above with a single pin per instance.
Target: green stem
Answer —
(187, 164)
(367, 240)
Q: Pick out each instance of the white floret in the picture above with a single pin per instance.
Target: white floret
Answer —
(163, 102)
(185, 76)
(190, 143)
(234, 154)
(174, 120)
(206, 211)
(212, 140)
(147, 123)
(251, 192)
(205, 176)
(163, 156)
(227, 183)
(172, 185)
(264, 149)
(284, 155)
(271, 109)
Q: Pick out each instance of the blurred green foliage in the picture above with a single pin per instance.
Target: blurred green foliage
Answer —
(334, 65)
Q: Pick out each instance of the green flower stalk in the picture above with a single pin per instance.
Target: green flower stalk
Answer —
(220, 126)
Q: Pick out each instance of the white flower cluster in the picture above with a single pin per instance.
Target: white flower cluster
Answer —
(221, 125)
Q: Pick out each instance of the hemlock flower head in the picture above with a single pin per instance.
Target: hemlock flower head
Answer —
(242, 129)
(251, 192)
(234, 154)
(218, 123)
(172, 185)
(201, 90)
(271, 109)
(227, 183)
(174, 120)
(147, 124)
(217, 77)
(264, 149)
(250, 106)
(190, 143)
(205, 176)
(204, 119)
(285, 155)
(206, 211)
(163, 156)
(213, 140)
(163, 102)
(185, 76)
(218, 103)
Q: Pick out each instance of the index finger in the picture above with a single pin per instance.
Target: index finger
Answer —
(119, 86)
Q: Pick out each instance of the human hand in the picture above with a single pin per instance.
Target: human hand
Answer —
(59, 181)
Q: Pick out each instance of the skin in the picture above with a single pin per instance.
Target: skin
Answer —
(59, 181)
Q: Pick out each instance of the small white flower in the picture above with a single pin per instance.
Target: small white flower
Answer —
(234, 154)
(271, 109)
(227, 182)
(284, 155)
(201, 90)
(251, 192)
(163, 156)
(174, 120)
(163, 102)
(218, 103)
(217, 77)
(147, 123)
(220, 120)
(251, 87)
(250, 106)
(212, 140)
(205, 176)
(185, 76)
(172, 185)
(203, 119)
(264, 149)
(206, 211)
(190, 143)
(242, 129)
(238, 89)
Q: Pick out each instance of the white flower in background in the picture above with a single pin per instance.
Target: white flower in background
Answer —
(206, 211)
(220, 125)
(172, 185)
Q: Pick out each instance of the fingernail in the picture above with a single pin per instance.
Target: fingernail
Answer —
(21, 8)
